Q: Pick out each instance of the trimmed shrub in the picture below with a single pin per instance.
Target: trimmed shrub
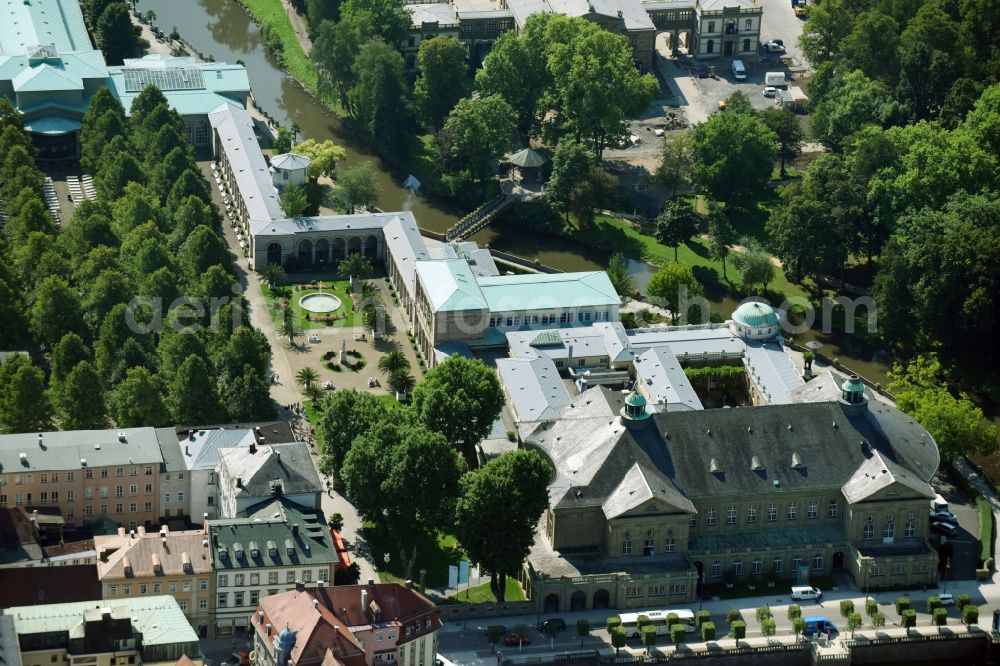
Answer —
(614, 622)
(846, 608)
(877, 619)
(939, 617)
(768, 627)
(908, 618)
(642, 622)
(970, 615)
(648, 637)
(854, 622)
(902, 604)
(733, 615)
(618, 639)
(738, 629)
(582, 629)
(701, 617)
(798, 626)
(871, 607)
(708, 631)
(985, 530)
(933, 603)
(678, 632)
(962, 601)
(794, 611)
(764, 613)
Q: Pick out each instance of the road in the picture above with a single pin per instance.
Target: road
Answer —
(780, 22)
(464, 642)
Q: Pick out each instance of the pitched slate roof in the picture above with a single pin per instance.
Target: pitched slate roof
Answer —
(661, 377)
(297, 538)
(258, 468)
(290, 161)
(797, 447)
(876, 474)
(534, 387)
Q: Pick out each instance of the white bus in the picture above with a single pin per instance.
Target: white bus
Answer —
(657, 620)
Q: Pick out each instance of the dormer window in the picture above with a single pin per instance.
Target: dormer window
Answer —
(755, 464)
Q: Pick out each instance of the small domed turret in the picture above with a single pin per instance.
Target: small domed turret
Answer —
(634, 412)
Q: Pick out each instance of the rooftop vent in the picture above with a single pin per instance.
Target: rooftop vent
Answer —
(835, 425)
(713, 466)
(749, 428)
(789, 426)
(777, 484)
(83, 462)
(755, 464)
(24, 457)
(797, 461)
(97, 446)
(121, 437)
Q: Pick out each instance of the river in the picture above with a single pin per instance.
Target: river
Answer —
(222, 29)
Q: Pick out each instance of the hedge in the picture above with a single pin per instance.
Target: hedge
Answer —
(708, 631)
(902, 605)
(985, 529)
(738, 629)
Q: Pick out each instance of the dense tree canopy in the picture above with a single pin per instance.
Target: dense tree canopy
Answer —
(377, 98)
(442, 78)
(344, 416)
(733, 157)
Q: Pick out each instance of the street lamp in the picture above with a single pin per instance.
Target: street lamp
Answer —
(947, 565)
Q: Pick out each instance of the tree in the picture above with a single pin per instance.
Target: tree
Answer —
(618, 640)
(738, 102)
(389, 19)
(138, 401)
(401, 381)
(754, 266)
(929, 63)
(191, 183)
(672, 286)
(648, 638)
(68, 352)
(582, 629)
(282, 142)
(306, 377)
(676, 224)
(733, 157)
(871, 607)
(515, 69)
(594, 113)
(854, 622)
(902, 604)
(290, 326)
(798, 627)
(272, 274)
(355, 265)
(246, 396)
(788, 129)
(202, 250)
(295, 201)
(318, 11)
(846, 608)
(191, 395)
(115, 34)
(360, 186)
(970, 616)
(955, 423)
(799, 230)
(768, 627)
(571, 163)
(853, 102)
(56, 311)
(24, 405)
(378, 96)
(245, 346)
(392, 361)
(620, 276)
(738, 630)
(344, 416)
(79, 399)
(939, 617)
(335, 48)
(441, 83)
(721, 235)
(405, 478)
(475, 132)
(677, 160)
(824, 30)
(12, 324)
(908, 619)
(323, 157)
(459, 398)
(112, 177)
(877, 619)
(872, 46)
(511, 489)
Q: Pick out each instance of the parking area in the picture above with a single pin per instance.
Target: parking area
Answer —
(964, 544)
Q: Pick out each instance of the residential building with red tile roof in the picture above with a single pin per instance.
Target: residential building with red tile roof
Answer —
(353, 625)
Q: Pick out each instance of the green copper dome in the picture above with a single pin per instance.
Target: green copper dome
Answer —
(853, 389)
(756, 315)
(635, 399)
(635, 407)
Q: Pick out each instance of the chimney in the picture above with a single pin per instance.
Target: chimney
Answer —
(409, 584)
(260, 617)
(131, 534)
(320, 585)
(121, 531)
(41, 440)
(103, 554)
(253, 446)
(300, 586)
(364, 601)
(239, 479)
(121, 437)
(187, 450)
(315, 603)
(204, 518)
(142, 530)
(371, 582)
(277, 454)
(295, 528)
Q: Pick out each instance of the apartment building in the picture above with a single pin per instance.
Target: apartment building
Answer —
(263, 554)
(139, 564)
(146, 631)
(83, 475)
(385, 623)
(248, 475)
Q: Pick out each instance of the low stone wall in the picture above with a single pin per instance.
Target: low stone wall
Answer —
(955, 646)
(459, 612)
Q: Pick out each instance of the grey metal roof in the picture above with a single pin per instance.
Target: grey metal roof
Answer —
(437, 12)
(238, 140)
(592, 455)
(361, 222)
(258, 468)
(10, 650)
(877, 474)
(534, 387)
(290, 161)
(772, 371)
(201, 448)
(170, 449)
(158, 618)
(73, 449)
(663, 381)
(406, 246)
(824, 387)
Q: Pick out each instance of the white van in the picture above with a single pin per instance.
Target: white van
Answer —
(739, 70)
(806, 593)
(776, 79)
(939, 503)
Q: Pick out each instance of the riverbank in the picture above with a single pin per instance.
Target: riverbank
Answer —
(283, 43)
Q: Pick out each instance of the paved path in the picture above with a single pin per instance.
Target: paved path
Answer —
(984, 488)
(299, 26)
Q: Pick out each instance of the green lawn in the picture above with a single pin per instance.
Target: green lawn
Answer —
(433, 553)
(483, 593)
(340, 288)
(272, 14)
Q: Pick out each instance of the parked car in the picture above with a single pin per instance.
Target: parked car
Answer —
(514, 640)
(503, 629)
(779, 42)
(806, 592)
(943, 527)
(240, 658)
(774, 47)
(557, 622)
(943, 514)
(947, 599)
(770, 91)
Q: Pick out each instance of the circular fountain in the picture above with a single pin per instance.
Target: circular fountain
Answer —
(320, 303)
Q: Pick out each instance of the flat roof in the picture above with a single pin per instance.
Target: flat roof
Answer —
(39, 22)
(436, 12)
(191, 87)
(546, 291)
(67, 450)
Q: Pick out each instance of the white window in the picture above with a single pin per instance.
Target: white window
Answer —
(832, 509)
(180, 497)
(756, 566)
(911, 525)
(731, 515)
(889, 529)
(670, 545)
(203, 604)
(631, 592)
(796, 563)
(203, 585)
(792, 510)
(752, 513)
(223, 580)
(656, 591)
(869, 532)
(818, 563)
(627, 544)
(737, 568)
(166, 497)
(749, 24)
(648, 546)
(812, 509)
(716, 569)
(777, 564)
(710, 521)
